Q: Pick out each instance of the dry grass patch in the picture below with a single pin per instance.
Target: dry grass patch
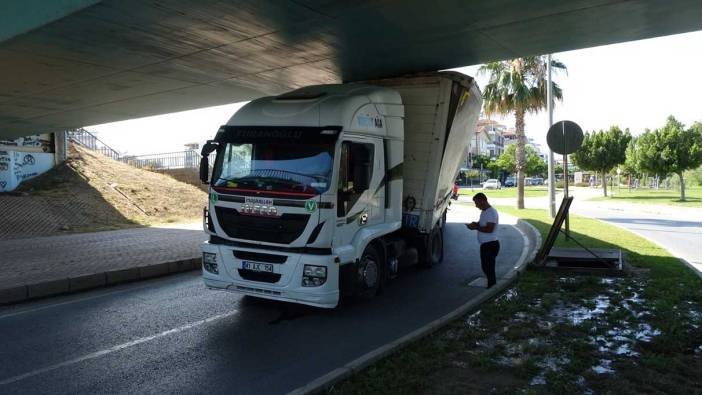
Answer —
(113, 195)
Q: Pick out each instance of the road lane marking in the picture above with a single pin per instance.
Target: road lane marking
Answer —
(116, 348)
(130, 287)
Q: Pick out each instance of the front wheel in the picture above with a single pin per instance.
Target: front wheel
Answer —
(369, 273)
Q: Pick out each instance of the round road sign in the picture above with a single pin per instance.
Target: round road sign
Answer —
(564, 137)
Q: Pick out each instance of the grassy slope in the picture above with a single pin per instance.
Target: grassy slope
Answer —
(693, 196)
(520, 339)
(117, 195)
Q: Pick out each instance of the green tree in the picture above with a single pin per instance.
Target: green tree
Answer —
(695, 175)
(519, 86)
(534, 165)
(602, 151)
(631, 165)
(481, 161)
(494, 168)
(671, 150)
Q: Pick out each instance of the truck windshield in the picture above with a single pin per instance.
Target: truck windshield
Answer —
(302, 169)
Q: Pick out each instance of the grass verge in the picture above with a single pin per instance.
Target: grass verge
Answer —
(556, 333)
(693, 196)
(535, 191)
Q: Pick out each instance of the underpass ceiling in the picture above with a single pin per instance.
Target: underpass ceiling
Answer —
(122, 59)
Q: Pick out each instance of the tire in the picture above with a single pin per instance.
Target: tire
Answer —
(433, 252)
(369, 273)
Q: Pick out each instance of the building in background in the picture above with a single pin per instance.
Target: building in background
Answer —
(488, 140)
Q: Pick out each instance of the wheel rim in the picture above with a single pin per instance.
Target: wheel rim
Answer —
(369, 273)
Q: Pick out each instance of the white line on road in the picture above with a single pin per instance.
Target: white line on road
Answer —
(101, 293)
(116, 348)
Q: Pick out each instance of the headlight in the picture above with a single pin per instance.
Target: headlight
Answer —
(314, 276)
(209, 262)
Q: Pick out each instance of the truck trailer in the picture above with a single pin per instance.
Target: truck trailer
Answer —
(330, 190)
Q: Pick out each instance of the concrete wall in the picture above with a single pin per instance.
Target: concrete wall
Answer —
(27, 157)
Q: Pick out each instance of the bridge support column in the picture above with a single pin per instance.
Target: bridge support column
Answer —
(60, 147)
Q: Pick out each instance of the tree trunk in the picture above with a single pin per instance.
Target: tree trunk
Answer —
(521, 142)
(682, 186)
(604, 183)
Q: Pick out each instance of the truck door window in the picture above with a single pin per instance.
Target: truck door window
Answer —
(355, 173)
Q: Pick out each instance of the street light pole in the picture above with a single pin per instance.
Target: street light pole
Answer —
(551, 165)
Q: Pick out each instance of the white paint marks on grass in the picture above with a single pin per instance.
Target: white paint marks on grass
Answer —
(604, 367)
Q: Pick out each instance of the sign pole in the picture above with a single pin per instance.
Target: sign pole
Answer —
(565, 182)
(565, 137)
(551, 164)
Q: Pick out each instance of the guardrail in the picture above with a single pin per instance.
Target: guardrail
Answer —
(89, 140)
(167, 161)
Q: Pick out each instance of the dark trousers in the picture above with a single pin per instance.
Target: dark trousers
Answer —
(488, 253)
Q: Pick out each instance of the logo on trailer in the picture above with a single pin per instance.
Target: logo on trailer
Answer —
(366, 121)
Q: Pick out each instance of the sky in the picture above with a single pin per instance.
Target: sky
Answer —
(634, 85)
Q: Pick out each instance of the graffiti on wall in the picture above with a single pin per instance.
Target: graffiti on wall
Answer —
(34, 143)
(16, 166)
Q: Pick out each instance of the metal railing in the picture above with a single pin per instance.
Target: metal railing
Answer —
(189, 159)
(167, 161)
(90, 141)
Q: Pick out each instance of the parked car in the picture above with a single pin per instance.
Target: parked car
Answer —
(492, 184)
(537, 181)
(510, 182)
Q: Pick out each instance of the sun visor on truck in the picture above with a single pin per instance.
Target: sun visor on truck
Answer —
(293, 134)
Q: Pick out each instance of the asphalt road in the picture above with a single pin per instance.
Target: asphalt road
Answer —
(172, 335)
(677, 230)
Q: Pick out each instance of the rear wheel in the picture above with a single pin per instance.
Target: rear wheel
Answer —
(433, 252)
(369, 273)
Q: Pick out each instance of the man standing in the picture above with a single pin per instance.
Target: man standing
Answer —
(487, 237)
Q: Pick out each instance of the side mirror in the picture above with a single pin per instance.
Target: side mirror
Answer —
(205, 169)
(207, 149)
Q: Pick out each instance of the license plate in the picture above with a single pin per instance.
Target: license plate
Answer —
(257, 266)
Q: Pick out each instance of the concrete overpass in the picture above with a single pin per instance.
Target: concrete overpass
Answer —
(68, 63)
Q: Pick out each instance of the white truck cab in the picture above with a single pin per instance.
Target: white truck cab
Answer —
(313, 193)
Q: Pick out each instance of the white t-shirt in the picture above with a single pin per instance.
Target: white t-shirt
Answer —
(489, 215)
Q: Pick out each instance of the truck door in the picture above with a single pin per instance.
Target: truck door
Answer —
(360, 194)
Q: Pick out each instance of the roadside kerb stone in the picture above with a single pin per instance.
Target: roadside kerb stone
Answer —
(122, 276)
(532, 240)
(85, 282)
(150, 271)
(13, 294)
(47, 288)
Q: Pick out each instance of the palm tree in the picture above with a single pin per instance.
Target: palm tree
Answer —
(519, 86)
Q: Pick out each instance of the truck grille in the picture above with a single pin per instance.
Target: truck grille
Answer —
(259, 276)
(284, 229)
(259, 257)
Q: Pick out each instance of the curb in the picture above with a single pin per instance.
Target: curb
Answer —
(529, 233)
(86, 282)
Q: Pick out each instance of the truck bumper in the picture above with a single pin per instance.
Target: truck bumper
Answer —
(283, 284)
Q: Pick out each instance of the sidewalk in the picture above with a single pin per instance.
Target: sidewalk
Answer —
(44, 266)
